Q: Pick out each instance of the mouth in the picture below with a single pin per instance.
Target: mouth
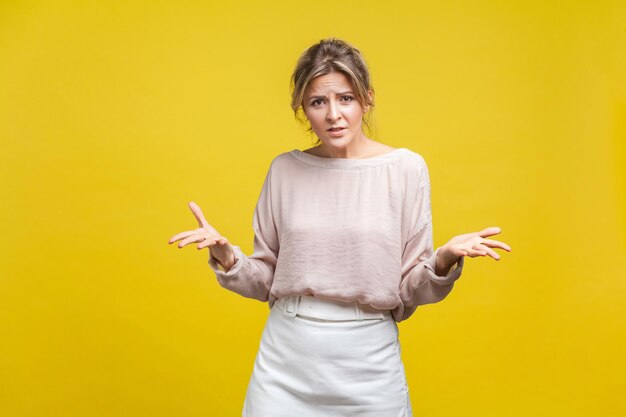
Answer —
(335, 129)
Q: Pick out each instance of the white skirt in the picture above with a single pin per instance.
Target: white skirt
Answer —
(328, 358)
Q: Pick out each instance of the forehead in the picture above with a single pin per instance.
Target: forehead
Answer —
(333, 82)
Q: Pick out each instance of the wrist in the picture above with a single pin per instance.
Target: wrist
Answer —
(445, 260)
(229, 263)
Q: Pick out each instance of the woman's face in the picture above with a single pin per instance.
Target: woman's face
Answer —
(330, 102)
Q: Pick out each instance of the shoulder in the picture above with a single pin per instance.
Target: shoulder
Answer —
(413, 170)
(281, 160)
(413, 163)
(281, 163)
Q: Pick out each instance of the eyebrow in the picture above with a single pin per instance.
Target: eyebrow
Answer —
(342, 93)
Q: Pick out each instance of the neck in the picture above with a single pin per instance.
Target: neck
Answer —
(357, 148)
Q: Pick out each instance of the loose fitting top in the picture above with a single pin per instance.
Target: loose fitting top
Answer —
(343, 229)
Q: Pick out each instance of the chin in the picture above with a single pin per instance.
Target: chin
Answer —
(338, 142)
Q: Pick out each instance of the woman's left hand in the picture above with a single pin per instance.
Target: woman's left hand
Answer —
(472, 245)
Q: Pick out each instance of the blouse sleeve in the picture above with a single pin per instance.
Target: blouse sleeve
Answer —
(252, 276)
(419, 284)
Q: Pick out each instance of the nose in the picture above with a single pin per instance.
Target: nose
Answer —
(333, 112)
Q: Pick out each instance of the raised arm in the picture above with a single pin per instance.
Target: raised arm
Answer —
(420, 284)
(428, 275)
(252, 276)
(425, 278)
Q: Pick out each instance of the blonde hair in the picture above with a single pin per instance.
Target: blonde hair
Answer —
(331, 55)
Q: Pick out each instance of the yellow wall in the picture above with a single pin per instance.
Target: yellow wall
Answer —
(113, 115)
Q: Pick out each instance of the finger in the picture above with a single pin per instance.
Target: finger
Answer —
(181, 235)
(472, 253)
(208, 242)
(212, 242)
(496, 244)
(458, 251)
(489, 231)
(488, 251)
(191, 239)
(195, 209)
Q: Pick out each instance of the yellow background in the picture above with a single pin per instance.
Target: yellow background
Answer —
(114, 115)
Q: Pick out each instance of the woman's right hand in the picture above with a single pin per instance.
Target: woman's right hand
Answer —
(218, 245)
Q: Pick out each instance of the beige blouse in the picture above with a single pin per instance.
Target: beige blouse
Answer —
(343, 229)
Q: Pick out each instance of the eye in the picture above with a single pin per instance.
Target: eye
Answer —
(349, 97)
(314, 102)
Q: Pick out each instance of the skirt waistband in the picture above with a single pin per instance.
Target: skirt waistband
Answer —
(334, 310)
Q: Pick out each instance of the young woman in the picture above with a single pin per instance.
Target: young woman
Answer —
(343, 250)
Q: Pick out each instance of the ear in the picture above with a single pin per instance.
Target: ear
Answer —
(370, 94)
